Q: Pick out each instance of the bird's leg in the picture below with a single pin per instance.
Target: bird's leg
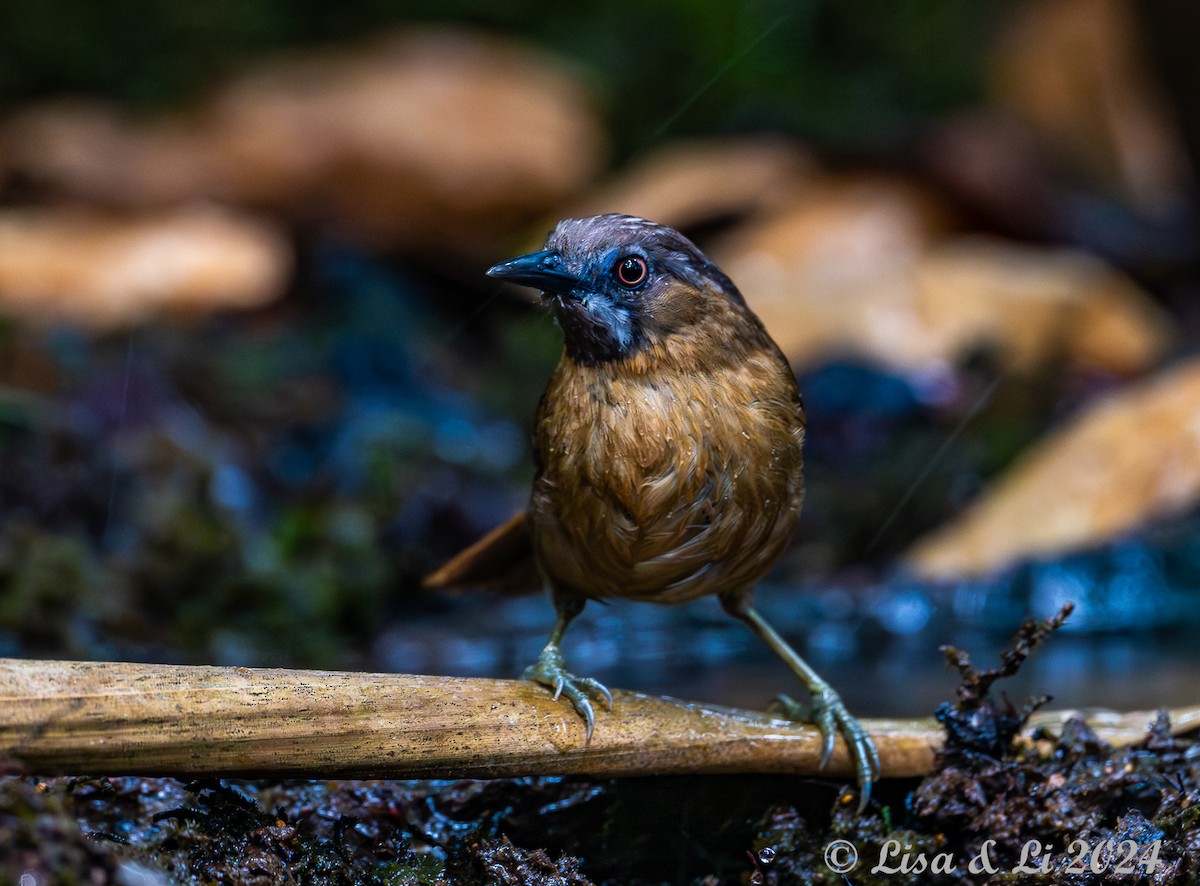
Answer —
(828, 712)
(551, 671)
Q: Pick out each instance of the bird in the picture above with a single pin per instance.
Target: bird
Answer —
(668, 451)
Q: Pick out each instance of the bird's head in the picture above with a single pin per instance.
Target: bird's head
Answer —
(617, 283)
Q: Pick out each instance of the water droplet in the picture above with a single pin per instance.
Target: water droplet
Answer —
(766, 855)
(757, 879)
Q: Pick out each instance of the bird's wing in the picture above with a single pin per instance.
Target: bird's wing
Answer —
(503, 557)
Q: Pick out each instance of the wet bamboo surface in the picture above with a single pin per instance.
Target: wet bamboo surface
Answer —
(91, 718)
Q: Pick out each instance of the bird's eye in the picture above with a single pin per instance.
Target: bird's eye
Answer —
(631, 271)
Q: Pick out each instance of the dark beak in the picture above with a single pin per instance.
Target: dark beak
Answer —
(541, 270)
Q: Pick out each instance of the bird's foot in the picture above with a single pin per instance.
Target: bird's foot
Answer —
(550, 671)
(828, 713)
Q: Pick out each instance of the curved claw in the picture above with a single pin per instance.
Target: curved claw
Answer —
(824, 722)
(582, 704)
(592, 685)
(550, 671)
(828, 713)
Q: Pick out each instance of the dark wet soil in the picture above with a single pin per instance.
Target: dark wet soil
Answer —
(996, 810)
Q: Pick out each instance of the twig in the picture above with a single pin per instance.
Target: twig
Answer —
(82, 718)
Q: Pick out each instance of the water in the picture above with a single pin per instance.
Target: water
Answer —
(879, 646)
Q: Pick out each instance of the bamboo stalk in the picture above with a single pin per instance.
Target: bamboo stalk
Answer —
(88, 718)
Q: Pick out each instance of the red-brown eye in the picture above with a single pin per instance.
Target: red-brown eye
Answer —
(631, 271)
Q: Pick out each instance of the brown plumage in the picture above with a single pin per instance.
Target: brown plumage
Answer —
(668, 446)
(674, 472)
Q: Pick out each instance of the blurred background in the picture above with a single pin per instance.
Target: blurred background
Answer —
(254, 384)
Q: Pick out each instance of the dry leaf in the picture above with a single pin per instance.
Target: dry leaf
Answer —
(1129, 459)
(101, 269)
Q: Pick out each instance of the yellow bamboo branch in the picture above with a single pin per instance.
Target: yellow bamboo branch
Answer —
(89, 718)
